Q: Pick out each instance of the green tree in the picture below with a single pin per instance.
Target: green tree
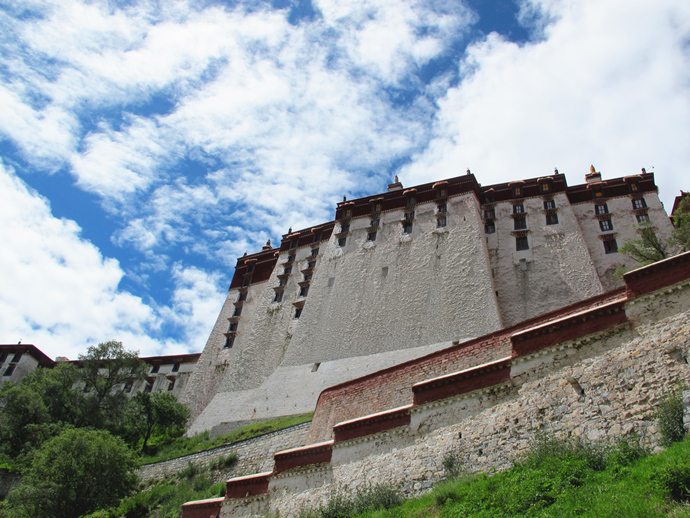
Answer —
(681, 223)
(158, 412)
(76, 473)
(648, 248)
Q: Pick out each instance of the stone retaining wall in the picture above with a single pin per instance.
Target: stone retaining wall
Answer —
(254, 455)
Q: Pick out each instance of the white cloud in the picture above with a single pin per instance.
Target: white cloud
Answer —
(62, 295)
(610, 86)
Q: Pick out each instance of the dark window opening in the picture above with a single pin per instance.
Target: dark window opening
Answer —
(278, 297)
(410, 200)
(610, 246)
(521, 243)
(293, 244)
(287, 271)
(520, 223)
(490, 228)
(639, 204)
(242, 296)
(517, 191)
(634, 187)
(518, 209)
(250, 267)
(348, 214)
(16, 358)
(171, 385)
(342, 241)
(148, 387)
(441, 222)
(9, 370)
(291, 258)
(317, 237)
(237, 312)
(246, 282)
(228, 342)
(407, 227)
(303, 291)
(3, 357)
(605, 225)
(176, 367)
(377, 207)
(307, 276)
(311, 264)
(85, 390)
(545, 186)
(371, 236)
(155, 368)
(549, 204)
(552, 219)
(442, 207)
(643, 218)
(128, 386)
(298, 312)
(601, 209)
(314, 252)
(490, 214)
(345, 227)
(231, 328)
(375, 222)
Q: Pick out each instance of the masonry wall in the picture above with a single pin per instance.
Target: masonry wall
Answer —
(611, 391)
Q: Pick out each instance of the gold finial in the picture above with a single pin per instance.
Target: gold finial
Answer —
(268, 243)
(591, 169)
(468, 171)
(396, 179)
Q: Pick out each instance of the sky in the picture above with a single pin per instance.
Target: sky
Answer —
(145, 146)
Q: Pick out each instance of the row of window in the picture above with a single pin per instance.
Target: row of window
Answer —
(10, 368)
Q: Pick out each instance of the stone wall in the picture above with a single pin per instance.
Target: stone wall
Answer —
(254, 455)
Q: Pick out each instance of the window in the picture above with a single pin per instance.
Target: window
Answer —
(176, 367)
(409, 215)
(643, 218)
(303, 291)
(9, 370)
(232, 327)
(307, 276)
(606, 225)
(311, 264)
(128, 386)
(314, 252)
(287, 271)
(242, 296)
(549, 204)
(345, 227)
(601, 209)
(520, 223)
(517, 191)
(246, 282)
(250, 267)
(282, 282)
(3, 357)
(552, 219)
(348, 214)
(490, 228)
(293, 243)
(410, 200)
(342, 241)
(371, 236)
(375, 222)
(229, 340)
(441, 222)
(634, 187)
(16, 358)
(490, 214)
(154, 369)
(291, 258)
(171, 385)
(521, 243)
(237, 312)
(317, 237)
(298, 312)
(407, 227)
(610, 246)
(148, 387)
(518, 209)
(377, 207)
(544, 187)
(85, 390)
(278, 297)
(442, 207)
(639, 204)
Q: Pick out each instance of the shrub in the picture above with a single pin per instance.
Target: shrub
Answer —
(342, 504)
(675, 480)
(452, 465)
(669, 416)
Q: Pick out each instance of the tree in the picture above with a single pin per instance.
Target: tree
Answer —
(681, 224)
(159, 412)
(648, 248)
(76, 473)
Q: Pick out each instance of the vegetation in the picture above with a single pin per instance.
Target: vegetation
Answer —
(669, 416)
(73, 474)
(159, 412)
(165, 447)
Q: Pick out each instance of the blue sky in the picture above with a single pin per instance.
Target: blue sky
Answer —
(144, 146)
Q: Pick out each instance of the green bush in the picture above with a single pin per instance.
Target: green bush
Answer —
(343, 504)
(452, 465)
(669, 416)
(675, 480)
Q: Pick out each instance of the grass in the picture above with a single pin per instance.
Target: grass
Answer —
(172, 448)
(559, 479)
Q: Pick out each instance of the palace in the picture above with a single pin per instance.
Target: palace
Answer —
(402, 274)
